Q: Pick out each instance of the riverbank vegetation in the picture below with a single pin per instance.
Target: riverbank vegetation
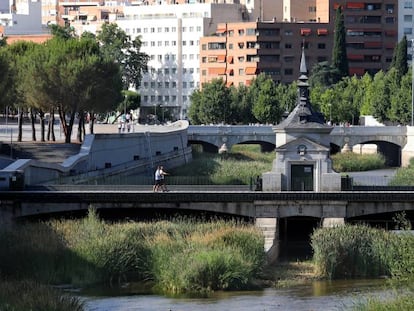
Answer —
(178, 256)
(182, 256)
(354, 162)
(404, 175)
(238, 166)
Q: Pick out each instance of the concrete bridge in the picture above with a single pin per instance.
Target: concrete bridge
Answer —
(280, 215)
(390, 140)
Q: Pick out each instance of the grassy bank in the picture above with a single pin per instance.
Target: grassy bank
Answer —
(238, 166)
(361, 251)
(353, 162)
(183, 255)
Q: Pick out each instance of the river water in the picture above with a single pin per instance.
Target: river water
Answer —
(315, 296)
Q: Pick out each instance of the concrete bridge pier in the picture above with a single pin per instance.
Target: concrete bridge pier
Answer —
(408, 150)
(333, 222)
(269, 227)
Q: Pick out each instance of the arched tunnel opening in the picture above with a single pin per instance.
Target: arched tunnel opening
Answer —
(294, 237)
(390, 151)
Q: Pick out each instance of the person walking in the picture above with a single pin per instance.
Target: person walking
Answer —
(157, 184)
(163, 173)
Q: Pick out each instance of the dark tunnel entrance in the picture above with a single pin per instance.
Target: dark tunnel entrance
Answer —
(294, 237)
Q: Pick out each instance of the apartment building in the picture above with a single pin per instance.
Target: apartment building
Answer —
(170, 35)
(406, 24)
(22, 19)
(371, 33)
(238, 52)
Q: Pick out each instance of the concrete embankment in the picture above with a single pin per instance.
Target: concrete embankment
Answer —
(106, 152)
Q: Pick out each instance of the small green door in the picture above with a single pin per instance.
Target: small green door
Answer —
(301, 178)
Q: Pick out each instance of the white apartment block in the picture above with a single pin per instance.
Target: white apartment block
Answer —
(170, 35)
(23, 17)
(406, 23)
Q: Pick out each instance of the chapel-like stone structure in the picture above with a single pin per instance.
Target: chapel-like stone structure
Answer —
(302, 148)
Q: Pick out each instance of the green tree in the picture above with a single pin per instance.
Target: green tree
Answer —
(400, 110)
(15, 54)
(211, 104)
(75, 78)
(117, 45)
(399, 59)
(323, 74)
(366, 107)
(339, 58)
(379, 96)
(194, 111)
(62, 32)
(6, 80)
(241, 106)
(264, 96)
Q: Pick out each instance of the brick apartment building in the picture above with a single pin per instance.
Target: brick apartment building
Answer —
(238, 52)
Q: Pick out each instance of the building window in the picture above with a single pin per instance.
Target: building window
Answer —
(198, 28)
(408, 18)
(191, 28)
(408, 4)
(184, 85)
(152, 43)
(389, 8)
(204, 47)
(321, 46)
(159, 84)
(191, 42)
(152, 84)
(166, 43)
(288, 45)
(174, 71)
(173, 29)
(241, 72)
(230, 46)
(173, 43)
(288, 33)
(312, 9)
(389, 20)
(159, 29)
(166, 29)
(288, 71)
(166, 71)
(203, 72)
(159, 58)
(159, 43)
(138, 30)
(241, 32)
(322, 59)
(184, 29)
(152, 29)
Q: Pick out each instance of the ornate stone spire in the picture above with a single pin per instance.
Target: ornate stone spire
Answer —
(303, 115)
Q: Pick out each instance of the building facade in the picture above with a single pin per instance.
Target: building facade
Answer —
(238, 52)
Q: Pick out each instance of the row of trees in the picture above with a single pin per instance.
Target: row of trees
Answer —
(71, 76)
(386, 96)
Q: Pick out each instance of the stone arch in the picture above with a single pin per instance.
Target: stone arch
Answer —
(207, 147)
(391, 151)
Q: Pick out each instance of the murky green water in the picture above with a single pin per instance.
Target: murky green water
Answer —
(316, 296)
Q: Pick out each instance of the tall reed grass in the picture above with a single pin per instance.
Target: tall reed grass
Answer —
(362, 251)
(29, 295)
(353, 162)
(404, 175)
(183, 255)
